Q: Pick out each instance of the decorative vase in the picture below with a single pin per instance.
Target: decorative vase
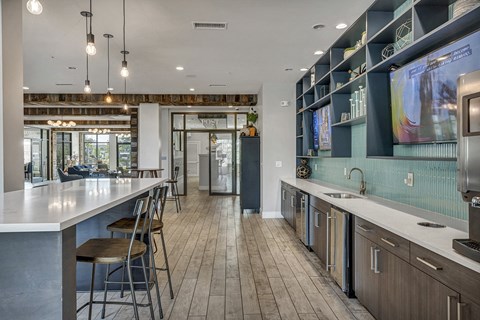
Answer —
(252, 130)
(303, 169)
(462, 6)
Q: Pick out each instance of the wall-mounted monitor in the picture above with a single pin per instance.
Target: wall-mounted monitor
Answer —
(424, 93)
(324, 128)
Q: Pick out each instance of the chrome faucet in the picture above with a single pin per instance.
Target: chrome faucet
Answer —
(363, 184)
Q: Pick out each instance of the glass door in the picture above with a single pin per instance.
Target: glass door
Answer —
(222, 155)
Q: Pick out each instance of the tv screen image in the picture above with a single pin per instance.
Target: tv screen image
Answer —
(316, 131)
(424, 93)
(325, 128)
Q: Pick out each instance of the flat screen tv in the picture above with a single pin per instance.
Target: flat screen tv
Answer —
(324, 128)
(424, 93)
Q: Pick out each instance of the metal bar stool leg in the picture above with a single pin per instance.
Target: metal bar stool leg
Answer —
(92, 284)
(122, 289)
(132, 290)
(178, 196)
(167, 268)
(147, 287)
(153, 269)
(105, 291)
(175, 194)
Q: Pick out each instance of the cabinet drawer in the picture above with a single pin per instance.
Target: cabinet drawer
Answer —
(457, 277)
(389, 241)
(320, 205)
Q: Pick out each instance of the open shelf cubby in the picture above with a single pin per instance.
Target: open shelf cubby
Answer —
(432, 27)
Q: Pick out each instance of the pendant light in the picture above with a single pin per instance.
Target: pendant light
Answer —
(34, 7)
(90, 49)
(87, 88)
(124, 71)
(108, 98)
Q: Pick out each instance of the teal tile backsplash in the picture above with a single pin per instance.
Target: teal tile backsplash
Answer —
(435, 186)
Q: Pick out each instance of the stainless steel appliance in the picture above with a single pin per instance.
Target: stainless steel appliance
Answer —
(301, 217)
(468, 177)
(339, 248)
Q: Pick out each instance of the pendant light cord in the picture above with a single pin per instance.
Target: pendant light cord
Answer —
(91, 16)
(108, 63)
(86, 30)
(124, 52)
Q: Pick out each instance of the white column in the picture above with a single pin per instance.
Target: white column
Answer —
(277, 138)
(149, 135)
(113, 152)
(12, 96)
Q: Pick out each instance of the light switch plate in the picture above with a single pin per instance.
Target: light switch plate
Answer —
(409, 180)
(316, 167)
(278, 164)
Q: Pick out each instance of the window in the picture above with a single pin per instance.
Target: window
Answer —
(124, 151)
(96, 149)
(64, 150)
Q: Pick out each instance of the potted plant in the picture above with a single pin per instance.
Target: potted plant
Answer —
(252, 117)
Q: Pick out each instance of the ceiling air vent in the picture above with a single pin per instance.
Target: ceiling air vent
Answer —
(217, 85)
(210, 25)
(64, 84)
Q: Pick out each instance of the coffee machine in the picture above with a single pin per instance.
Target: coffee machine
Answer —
(468, 175)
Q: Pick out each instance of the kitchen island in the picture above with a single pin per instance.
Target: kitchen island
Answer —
(40, 229)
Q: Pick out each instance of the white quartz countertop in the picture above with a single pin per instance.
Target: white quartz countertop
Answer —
(438, 240)
(58, 206)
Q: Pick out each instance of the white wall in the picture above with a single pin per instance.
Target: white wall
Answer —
(277, 136)
(12, 97)
(113, 152)
(149, 142)
(165, 142)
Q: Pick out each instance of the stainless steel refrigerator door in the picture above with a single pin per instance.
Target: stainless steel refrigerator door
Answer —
(336, 228)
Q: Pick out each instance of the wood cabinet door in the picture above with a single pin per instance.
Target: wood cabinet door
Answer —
(366, 281)
(468, 310)
(430, 299)
(395, 286)
(283, 196)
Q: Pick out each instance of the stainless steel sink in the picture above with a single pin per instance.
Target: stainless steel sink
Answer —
(342, 195)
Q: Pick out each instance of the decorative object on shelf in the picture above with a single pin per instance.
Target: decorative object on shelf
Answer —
(364, 38)
(252, 117)
(358, 104)
(358, 44)
(310, 152)
(323, 91)
(312, 77)
(345, 116)
(462, 6)
(403, 35)
(363, 68)
(303, 169)
(388, 51)
(347, 53)
(339, 85)
(393, 67)
(354, 73)
(245, 131)
(99, 131)
(59, 123)
(401, 9)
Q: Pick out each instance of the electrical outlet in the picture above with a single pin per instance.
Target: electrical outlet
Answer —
(315, 166)
(409, 180)
(278, 164)
(345, 171)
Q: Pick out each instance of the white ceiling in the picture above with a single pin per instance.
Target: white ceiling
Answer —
(263, 38)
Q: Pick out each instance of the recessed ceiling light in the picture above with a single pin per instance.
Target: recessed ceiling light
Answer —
(318, 26)
(341, 26)
(26, 88)
(189, 106)
(318, 52)
(179, 68)
(192, 89)
(304, 69)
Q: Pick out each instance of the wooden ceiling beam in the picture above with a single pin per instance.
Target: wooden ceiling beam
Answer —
(83, 122)
(63, 99)
(76, 111)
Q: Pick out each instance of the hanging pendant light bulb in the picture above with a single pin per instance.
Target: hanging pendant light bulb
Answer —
(124, 71)
(90, 49)
(108, 98)
(87, 88)
(34, 7)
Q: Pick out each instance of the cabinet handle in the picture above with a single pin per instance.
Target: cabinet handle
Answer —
(283, 195)
(460, 307)
(375, 253)
(328, 243)
(372, 260)
(334, 218)
(425, 262)
(316, 219)
(291, 201)
(449, 307)
(390, 243)
(363, 228)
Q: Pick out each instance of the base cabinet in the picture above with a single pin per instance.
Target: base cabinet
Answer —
(288, 204)
(319, 237)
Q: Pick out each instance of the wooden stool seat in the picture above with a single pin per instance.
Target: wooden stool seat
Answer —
(126, 225)
(107, 251)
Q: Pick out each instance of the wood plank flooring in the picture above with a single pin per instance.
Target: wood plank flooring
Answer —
(227, 265)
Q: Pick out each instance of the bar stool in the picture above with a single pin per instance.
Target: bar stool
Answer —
(125, 251)
(126, 225)
(175, 197)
